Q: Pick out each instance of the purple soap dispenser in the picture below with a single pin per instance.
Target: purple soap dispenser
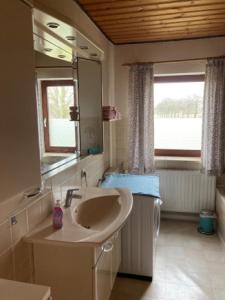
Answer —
(57, 216)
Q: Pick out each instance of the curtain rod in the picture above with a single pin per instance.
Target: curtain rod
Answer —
(171, 61)
(55, 67)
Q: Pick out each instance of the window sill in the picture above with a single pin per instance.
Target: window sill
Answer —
(177, 163)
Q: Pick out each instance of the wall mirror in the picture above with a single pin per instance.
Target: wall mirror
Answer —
(56, 90)
(69, 79)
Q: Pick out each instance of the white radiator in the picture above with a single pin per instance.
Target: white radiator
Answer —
(186, 191)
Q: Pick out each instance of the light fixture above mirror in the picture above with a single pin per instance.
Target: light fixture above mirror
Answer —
(51, 33)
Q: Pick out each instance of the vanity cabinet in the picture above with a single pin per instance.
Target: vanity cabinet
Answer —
(77, 271)
(103, 273)
(116, 255)
(107, 266)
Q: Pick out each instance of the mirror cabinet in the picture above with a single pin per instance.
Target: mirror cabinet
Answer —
(68, 91)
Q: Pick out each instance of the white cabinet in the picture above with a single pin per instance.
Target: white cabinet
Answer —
(77, 271)
(107, 266)
(103, 272)
(18, 126)
(116, 255)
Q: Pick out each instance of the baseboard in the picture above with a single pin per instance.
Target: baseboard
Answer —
(134, 276)
(180, 216)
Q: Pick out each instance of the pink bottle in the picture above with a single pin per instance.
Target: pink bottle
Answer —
(57, 216)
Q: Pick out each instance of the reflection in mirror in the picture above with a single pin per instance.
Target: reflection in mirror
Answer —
(56, 92)
(90, 103)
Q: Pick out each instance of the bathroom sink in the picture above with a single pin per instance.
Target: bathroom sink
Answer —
(92, 218)
(98, 213)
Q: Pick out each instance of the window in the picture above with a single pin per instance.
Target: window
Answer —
(59, 131)
(178, 115)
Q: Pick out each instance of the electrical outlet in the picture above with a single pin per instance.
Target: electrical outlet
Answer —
(13, 220)
(83, 173)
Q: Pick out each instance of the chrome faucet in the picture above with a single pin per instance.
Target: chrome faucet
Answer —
(70, 195)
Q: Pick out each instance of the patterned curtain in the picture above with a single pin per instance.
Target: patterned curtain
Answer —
(213, 131)
(141, 119)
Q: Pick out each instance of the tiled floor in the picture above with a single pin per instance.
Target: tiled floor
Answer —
(189, 266)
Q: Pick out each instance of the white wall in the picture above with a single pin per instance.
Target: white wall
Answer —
(155, 52)
(19, 155)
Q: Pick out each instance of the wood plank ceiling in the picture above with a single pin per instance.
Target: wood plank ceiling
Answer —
(133, 21)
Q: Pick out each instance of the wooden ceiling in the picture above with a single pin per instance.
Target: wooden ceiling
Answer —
(138, 21)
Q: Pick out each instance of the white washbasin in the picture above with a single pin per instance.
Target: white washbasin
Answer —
(98, 213)
(92, 219)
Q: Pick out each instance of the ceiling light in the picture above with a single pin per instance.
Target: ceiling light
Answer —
(83, 47)
(70, 38)
(94, 54)
(61, 56)
(53, 25)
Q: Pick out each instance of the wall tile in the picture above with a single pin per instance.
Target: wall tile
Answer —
(69, 184)
(21, 227)
(6, 265)
(46, 205)
(47, 183)
(56, 192)
(5, 234)
(22, 255)
(34, 214)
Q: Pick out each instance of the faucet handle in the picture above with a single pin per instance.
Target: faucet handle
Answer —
(69, 195)
(72, 190)
(69, 192)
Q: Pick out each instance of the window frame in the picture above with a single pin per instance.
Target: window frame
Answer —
(174, 79)
(44, 85)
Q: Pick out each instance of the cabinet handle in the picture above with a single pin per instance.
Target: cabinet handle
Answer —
(45, 122)
(158, 218)
(107, 247)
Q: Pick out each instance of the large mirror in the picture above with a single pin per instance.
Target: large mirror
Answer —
(69, 92)
(57, 91)
(90, 105)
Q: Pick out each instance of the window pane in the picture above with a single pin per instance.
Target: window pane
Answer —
(61, 130)
(178, 115)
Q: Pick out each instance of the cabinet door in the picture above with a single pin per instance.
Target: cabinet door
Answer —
(18, 125)
(116, 255)
(103, 273)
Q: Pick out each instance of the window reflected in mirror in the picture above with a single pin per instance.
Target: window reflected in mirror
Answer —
(59, 131)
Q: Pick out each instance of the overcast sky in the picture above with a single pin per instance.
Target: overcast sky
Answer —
(177, 90)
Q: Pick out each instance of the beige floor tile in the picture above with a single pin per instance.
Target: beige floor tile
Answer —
(177, 252)
(219, 294)
(214, 256)
(218, 281)
(188, 266)
(217, 268)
